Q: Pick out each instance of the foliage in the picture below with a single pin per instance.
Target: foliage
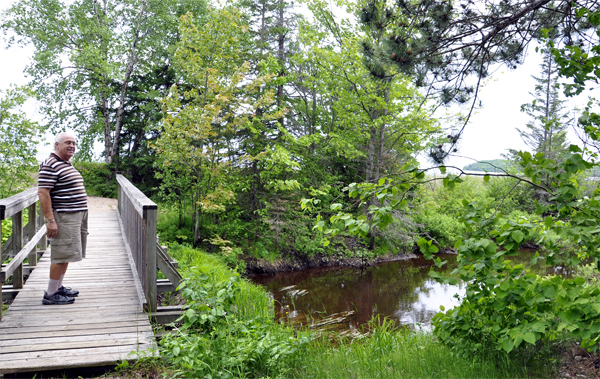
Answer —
(98, 178)
(391, 353)
(88, 55)
(442, 44)
(6, 229)
(546, 130)
(201, 123)
(18, 139)
(171, 228)
(221, 338)
(505, 305)
(493, 165)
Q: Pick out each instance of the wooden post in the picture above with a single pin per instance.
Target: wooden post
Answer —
(17, 234)
(32, 230)
(41, 221)
(150, 216)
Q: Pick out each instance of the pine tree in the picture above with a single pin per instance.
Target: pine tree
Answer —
(546, 131)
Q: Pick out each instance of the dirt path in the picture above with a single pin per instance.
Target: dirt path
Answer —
(101, 203)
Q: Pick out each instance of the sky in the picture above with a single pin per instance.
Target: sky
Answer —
(491, 131)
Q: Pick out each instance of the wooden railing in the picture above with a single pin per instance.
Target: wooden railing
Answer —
(32, 235)
(137, 215)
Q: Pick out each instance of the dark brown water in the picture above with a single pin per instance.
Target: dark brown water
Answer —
(344, 299)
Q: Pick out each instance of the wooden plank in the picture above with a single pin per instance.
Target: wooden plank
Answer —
(66, 330)
(17, 263)
(164, 264)
(150, 235)
(69, 342)
(52, 360)
(140, 202)
(54, 323)
(138, 285)
(14, 204)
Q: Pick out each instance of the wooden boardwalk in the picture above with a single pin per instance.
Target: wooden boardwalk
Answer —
(104, 326)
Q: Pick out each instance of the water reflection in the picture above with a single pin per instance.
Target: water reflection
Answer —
(347, 298)
(344, 299)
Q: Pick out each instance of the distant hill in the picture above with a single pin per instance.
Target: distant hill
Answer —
(489, 166)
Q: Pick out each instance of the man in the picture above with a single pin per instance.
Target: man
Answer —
(64, 204)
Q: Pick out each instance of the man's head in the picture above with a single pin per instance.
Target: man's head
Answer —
(64, 145)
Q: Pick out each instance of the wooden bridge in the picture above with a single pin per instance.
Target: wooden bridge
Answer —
(110, 319)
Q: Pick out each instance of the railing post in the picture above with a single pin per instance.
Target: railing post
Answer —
(17, 235)
(32, 222)
(150, 217)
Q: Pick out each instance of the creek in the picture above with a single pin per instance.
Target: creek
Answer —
(345, 299)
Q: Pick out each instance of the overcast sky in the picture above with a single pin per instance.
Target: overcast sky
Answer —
(489, 134)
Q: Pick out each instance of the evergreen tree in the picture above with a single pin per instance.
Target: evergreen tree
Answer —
(546, 131)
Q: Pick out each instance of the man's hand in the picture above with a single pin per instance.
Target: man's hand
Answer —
(51, 229)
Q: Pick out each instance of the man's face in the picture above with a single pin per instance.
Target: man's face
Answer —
(66, 148)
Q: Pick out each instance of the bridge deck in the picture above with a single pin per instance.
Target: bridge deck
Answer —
(104, 325)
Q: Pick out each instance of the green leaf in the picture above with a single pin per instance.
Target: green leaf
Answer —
(364, 228)
(486, 178)
(517, 235)
(530, 337)
(507, 344)
(549, 291)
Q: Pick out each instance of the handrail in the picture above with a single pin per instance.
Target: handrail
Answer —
(138, 219)
(13, 207)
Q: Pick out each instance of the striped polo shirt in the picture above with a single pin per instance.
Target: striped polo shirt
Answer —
(66, 184)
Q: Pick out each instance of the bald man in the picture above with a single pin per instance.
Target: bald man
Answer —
(64, 204)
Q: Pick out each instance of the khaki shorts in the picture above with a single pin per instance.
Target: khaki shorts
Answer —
(71, 239)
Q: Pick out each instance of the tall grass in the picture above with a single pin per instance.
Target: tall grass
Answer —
(252, 300)
(389, 353)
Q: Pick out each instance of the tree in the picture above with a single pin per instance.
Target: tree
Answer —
(546, 132)
(449, 47)
(204, 116)
(19, 137)
(378, 125)
(87, 54)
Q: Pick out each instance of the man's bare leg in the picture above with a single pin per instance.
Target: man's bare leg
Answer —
(57, 270)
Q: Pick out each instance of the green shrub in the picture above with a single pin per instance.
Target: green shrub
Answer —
(170, 229)
(98, 178)
(220, 340)
(445, 229)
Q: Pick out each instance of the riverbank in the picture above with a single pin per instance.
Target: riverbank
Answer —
(297, 262)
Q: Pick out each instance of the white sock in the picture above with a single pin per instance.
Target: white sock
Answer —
(52, 286)
(60, 280)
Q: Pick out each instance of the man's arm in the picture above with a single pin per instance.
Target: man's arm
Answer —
(46, 205)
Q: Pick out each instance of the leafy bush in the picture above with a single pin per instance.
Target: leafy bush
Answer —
(217, 340)
(443, 228)
(98, 178)
(170, 229)
(508, 197)
(6, 229)
(508, 308)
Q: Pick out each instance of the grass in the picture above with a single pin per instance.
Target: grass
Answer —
(389, 353)
(252, 300)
